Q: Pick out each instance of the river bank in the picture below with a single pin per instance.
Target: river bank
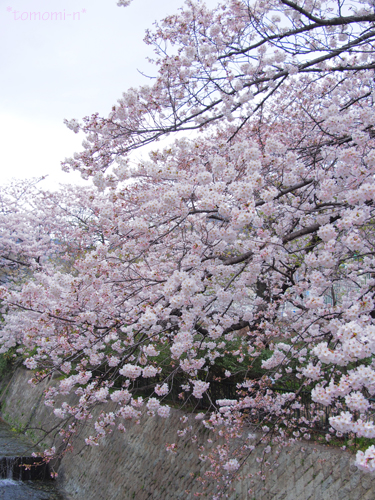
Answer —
(136, 465)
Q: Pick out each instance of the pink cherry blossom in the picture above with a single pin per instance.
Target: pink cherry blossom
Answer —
(253, 238)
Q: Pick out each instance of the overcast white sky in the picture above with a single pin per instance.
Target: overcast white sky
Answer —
(55, 69)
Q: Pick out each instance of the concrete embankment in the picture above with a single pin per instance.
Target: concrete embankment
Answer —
(136, 465)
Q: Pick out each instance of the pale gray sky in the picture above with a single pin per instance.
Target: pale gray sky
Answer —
(54, 69)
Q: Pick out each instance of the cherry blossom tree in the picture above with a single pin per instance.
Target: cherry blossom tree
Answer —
(253, 235)
(17, 244)
(37, 226)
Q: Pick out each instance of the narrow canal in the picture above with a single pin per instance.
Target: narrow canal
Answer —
(16, 483)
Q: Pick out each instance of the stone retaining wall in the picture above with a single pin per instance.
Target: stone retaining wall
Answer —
(135, 465)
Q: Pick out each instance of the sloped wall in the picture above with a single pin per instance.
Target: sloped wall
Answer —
(135, 465)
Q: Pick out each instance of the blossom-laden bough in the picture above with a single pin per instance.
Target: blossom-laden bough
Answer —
(254, 235)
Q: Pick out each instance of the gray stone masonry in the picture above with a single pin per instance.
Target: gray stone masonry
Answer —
(136, 465)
